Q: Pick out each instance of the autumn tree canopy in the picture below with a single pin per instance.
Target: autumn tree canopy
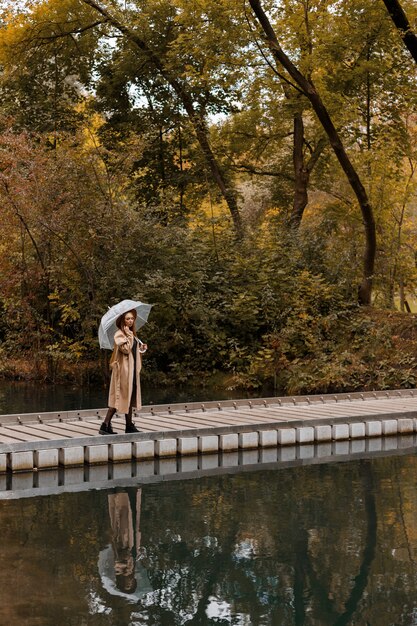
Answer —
(249, 167)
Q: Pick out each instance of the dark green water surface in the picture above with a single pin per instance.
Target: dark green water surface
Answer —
(26, 397)
(316, 545)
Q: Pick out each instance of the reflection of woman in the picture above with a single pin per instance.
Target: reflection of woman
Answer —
(126, 538)
(125, 364)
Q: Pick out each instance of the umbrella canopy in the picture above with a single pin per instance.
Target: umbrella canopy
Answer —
(108, 326)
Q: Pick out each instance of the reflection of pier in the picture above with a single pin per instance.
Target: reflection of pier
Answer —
(133, 473)
(48, 440)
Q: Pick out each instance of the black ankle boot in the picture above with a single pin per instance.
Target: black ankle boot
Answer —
(131, 428)
(106, 429)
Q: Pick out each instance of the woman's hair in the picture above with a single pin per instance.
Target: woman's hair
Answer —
(127, 584)
(120, 324)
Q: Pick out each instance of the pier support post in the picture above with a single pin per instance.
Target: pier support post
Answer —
(20, 461)
(96, 454)
(187, 445)
(230, 441)
(46, 458)
(144, 449)
(71, 456)
(208, 443)
(166, 447)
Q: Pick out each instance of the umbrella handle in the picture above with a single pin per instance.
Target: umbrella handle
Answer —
(141, 344)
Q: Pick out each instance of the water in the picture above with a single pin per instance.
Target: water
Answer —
(23, 397)
(317, 545)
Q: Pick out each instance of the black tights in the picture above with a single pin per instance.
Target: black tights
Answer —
(111, 411)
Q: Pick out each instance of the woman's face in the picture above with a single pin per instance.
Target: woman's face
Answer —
(129, 319)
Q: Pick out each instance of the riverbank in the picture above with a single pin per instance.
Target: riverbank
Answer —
(364, 349)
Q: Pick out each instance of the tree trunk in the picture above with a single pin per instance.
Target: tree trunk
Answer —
(402, 24)
(402, 295)
(361, 580)
(308, 88)
(302, 169)
(182, 183)
(201, 132)
(301, 173)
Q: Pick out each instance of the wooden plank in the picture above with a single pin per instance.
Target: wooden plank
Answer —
(281, 416)
(33, 433)
(258, 410)
(68, 429)
(26, 435)
(152, 425)
(334, 411)
(264, 414)
(187, 420)
(6, 437)
(87, 428)
(151, 422)
(397, 405)
(222, 416)
(352, 411)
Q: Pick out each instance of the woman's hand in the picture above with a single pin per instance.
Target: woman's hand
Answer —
(128, 332)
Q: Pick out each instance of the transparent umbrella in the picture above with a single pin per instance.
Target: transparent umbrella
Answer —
(108, 326)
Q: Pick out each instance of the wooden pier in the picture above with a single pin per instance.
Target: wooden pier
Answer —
(36, 442)
(50, 453)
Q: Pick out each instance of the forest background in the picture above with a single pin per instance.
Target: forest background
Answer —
(247, 167)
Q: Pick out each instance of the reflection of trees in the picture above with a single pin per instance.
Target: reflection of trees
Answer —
(361, 579)
(315, 552)
(312, 545)
(314, 596)
(306, 579)
(281, 577)
(48, 557)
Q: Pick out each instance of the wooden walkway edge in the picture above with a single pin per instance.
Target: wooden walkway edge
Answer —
(138, 473)
(48, 440)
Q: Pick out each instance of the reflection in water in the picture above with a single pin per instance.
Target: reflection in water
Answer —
(316, 546)
(119, 570)
(126, 539)
(25, 397)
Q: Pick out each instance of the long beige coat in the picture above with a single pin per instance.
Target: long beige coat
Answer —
(121, 383)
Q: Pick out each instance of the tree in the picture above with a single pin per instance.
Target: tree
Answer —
(309, 90)
(196, 116)
(279, 143)
(302, 165)
(44, 77)
(54, 202)
(165, 51)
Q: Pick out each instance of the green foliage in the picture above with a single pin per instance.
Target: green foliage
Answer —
(353, 350)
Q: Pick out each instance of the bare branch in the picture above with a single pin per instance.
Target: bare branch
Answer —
(243, 167)
(315, 155)
(75, 31)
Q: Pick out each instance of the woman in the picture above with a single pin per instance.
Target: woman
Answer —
(125, 364)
